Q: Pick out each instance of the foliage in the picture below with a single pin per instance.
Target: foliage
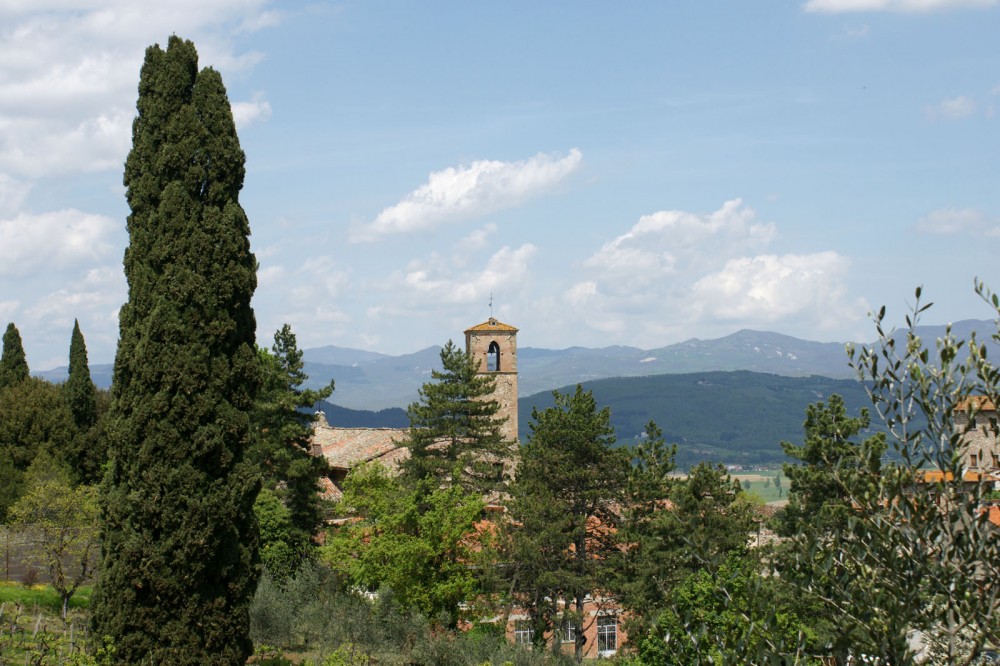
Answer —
(13, 362)
(34, 418)
(42, 596)
(179, 541)
(455, 434)
(413, 540)
(639, 582)
(315, 612)
(902, 574)
(831, 464)
(725, 616)
(35, 633)
(279, 543)
(62, 522)
(706, 522)
(283, 425)
(88, 451)
(565, 510)
(11, 482)
(79, 389)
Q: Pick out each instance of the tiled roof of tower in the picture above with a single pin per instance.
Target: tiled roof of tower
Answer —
(979, 403)
(492, 324)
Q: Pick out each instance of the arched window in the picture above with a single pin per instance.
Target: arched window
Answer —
(493, 357)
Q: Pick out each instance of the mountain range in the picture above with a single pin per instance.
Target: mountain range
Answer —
(731, 399)
(367, 380)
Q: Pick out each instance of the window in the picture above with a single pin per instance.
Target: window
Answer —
(568, 632)
(493, 357)
(607, 633)
(523, 633)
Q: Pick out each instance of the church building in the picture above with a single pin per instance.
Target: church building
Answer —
(492, 344)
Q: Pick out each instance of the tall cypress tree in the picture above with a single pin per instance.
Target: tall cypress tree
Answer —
(179, 541)
(88, 452)
(13, 363)
(81, 394)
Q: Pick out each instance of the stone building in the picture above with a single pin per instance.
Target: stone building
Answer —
(494, 346)
(981, 443)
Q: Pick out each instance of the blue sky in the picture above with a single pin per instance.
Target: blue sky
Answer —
(612, 173)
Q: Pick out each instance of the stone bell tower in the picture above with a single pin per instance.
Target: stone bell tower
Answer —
(493, 345)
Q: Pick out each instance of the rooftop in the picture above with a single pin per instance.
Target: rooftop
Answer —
(492, 324)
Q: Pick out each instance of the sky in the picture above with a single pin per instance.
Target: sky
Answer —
(603, 173)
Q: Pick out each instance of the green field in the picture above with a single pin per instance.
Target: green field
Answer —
(762, 485)
(42, 596)
(32, 631)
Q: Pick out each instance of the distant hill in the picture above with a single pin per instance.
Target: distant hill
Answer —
(360, 418)
(100, 373)
(383, 381)
(368, 380)
(734, 417)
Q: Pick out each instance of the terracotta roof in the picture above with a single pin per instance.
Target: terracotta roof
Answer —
(976, 402)
(346, 448)
(993, 514)
(969, 476)
(492, 324)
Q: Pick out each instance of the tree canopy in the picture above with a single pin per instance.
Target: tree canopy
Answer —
(13, 362)
(566, 511)
(455, 431)
(282, 420)
(179, 539)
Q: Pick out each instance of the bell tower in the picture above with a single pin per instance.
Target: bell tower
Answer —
(493, 345)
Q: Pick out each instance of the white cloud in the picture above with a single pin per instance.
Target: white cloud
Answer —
(256, 110)
(94, 297)
(68, 84)
(953, 221)
(102, 286)
(672, 241)
(319, 280)
(856, 32)
(677, 271)
(57, 239)
(952, 109)
(769, 288)
(469, 191)
(477, 239)
(12, 194)
(7, 309)
(902, 6)
(435, 282)
(269, 276)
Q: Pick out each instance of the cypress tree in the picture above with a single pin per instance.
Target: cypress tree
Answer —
(81, 394)
(13, 363)
(179, 541)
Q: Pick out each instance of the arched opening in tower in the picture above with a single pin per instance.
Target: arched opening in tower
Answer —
(493, 357)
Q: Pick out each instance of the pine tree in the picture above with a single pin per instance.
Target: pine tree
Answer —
(13, 363)
(282, 419)
(179, 541)
(566, 511)
(81, 394)
(455, 432)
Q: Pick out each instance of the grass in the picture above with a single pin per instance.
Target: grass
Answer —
(42, 596)
(32, 630)
(762, 485)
